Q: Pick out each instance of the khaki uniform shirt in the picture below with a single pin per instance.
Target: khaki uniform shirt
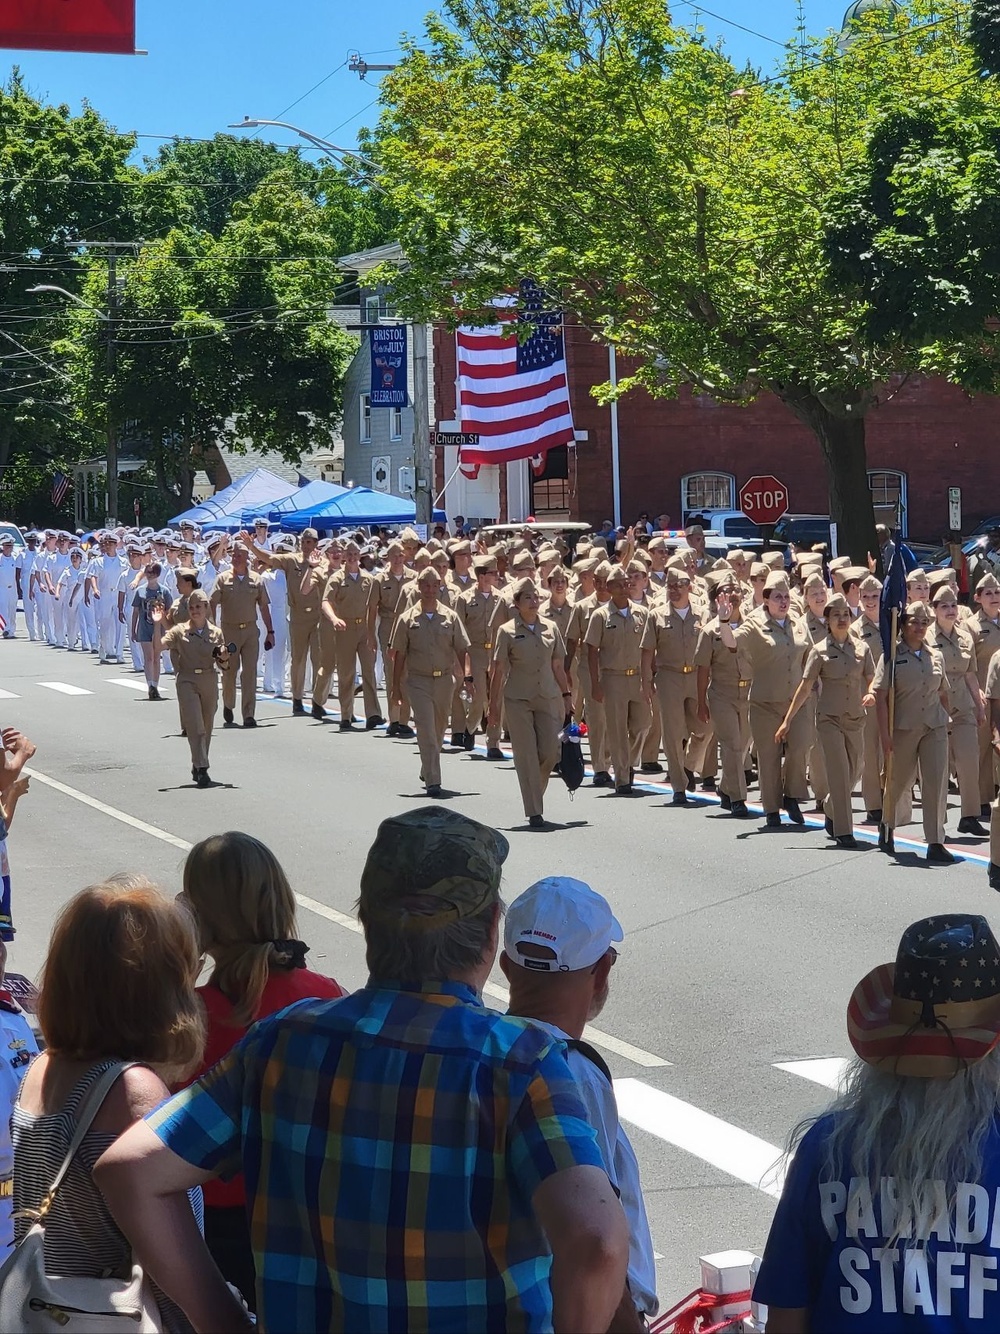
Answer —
(477, 614)
(918, 679)
(729, 670)
(674, 638)
(845, 671)
(958, 651)
(304, 583)
(777, 655)
(986, 634)
(390, 588)
(430, 641)
(191, 653)
(445, 596)
(816, 625)
(459, 583)
(618, 636)
(868, 632)
(528, 651)
(992, 687)
(562, 616)
(351, 597)
(239, 598)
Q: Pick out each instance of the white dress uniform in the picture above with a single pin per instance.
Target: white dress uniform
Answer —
(60, 562)
(70, 590)
(276, 660)
(26, 563)
(91, 569)
(109, 573)
(43, 598)
(8, 594)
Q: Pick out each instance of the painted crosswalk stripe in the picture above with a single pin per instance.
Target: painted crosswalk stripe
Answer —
(825, 1070)
(7, 694)
(128, 682)
(732, 1150)
(63, 688)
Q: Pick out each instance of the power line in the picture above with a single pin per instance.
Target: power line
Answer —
(700, 9)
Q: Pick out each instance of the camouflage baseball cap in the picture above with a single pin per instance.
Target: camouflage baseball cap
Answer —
(432, 853)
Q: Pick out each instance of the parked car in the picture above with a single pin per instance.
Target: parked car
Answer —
(987, 526)
(731, 523)
(802, 529)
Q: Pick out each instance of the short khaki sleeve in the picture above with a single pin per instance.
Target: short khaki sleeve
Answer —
(400, 641)
(813, 667)
(595, 630)
(993, 677)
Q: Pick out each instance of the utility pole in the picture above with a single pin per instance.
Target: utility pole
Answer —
(422, 455)
(110, 363)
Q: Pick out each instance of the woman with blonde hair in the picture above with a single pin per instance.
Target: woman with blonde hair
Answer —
(244, 912)
(118, 986)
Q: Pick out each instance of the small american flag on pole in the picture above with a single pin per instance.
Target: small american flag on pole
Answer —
(60, 486)
(514, 394)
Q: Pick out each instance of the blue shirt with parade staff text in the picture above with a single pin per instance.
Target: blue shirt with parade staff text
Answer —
(391, 1144)
(827, 1251)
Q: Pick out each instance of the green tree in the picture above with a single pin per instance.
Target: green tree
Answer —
(674, 204)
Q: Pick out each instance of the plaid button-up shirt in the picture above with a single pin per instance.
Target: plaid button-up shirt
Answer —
(391, 1144)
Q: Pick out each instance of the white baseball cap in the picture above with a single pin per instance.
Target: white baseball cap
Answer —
(566, 916)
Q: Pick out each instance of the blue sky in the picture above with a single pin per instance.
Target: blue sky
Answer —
(215, 61)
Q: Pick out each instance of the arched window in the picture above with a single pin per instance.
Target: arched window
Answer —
(888, 488)
(707, 491)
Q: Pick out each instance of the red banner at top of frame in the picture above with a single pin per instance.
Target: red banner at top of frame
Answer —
(68, 25)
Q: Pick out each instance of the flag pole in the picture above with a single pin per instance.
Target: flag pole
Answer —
(886, 841)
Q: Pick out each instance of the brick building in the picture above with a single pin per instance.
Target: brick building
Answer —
(693, 453)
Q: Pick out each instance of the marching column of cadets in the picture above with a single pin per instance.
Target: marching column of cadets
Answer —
(714, 659)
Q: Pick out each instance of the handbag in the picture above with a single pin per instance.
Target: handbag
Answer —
(34, 1302)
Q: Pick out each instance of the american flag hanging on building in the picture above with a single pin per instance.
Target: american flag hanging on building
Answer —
(514, 394)
(60, 486)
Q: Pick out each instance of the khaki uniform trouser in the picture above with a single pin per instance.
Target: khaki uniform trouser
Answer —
(534, 727)
(842, 740)
(247, 643)
(628, 717)
(731, 722)
(871, 764)
(303, 633)
(430, 697)
(597, 730)
(779, 776)
(817, 763)
(927, 747)
(197, 700)
(995, 833)
(988, 764)
(964, 754)
(677, 700)
(397, 713)
(324, 662)
(351, 648)
(651, 748)
(475, 717)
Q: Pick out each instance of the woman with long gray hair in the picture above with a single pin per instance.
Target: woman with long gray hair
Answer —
(889, 1220)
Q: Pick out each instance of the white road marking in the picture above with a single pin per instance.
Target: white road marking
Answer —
(621, 1048)
(129, 682)
(825, 1070)
(6, 694)
(734, 1151)
(63, 688)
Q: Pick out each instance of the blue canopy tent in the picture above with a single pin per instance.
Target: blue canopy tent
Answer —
(357, 506)
(225, 508)
(302, 498)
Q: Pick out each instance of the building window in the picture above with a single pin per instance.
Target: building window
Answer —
(374, 307)
(550, 496)
(707, 491)
(396, 424)
(888, 488)
(366, 419)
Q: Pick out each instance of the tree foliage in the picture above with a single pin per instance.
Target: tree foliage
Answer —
(673, 203)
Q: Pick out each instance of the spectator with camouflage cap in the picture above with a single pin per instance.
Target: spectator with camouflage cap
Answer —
(431, 1158)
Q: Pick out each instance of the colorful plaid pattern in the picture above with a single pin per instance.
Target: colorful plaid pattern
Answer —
(391, 1144)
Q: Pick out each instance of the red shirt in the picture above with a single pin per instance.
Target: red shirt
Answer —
(284, 987)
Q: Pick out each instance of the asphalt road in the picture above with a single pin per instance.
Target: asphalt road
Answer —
(741, 946)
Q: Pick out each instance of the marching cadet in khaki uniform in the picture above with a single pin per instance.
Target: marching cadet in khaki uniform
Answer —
(674, 627)
(984, 626)
(460, 577)
(477, 609)
(304, 578)
(196, 649)
(556, 605)
(776, 648)
(844, 667)
(918, 588)
(993, 697)
(583, 577)
(236, 597)
(815, 594)
(723, 686)
(350, 604)
(390, 584)
(920, 730)
(410, 543)
(867, 629)
(618, 679)
(429, 644)
(529, 679)
(968, 710)
(600, 757)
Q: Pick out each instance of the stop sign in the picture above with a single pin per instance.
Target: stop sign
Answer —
(764, 499)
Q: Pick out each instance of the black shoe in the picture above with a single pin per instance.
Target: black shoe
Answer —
(624, 791)
(791, 807)
(154, 693)
(984, 811)
(227, 715)
(828, 826)
(602, 779)
(847, 841)
(679, 799)
(457, 741)
(708, 785)
(773, 820)
(994, 876)
(376, 720)
(470, 741)
(725, 802)
(495, 753)
(298, 706)
(317, 711)
(392, 729)
(537, 822)
(346, 725)
(886, 840)
(873, 817)
(651, 768)
(938, 855)
(203, 779)
(194, 773)
(249, 722)
(750, 776)
(740, 808)
(692, 781)
(434, 790)
(405, 730)
(970, 825)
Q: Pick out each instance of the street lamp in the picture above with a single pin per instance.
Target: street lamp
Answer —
(247, 123)
(78, 300)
